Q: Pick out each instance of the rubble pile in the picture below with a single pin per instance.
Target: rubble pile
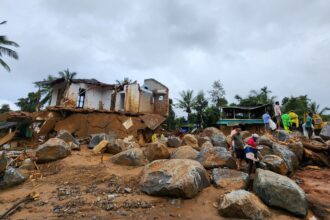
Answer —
(169, 167)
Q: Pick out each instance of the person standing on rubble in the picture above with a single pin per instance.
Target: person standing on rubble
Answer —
(266, 118)
(309, 125)
(294, 120)
(251, 152)
(286, 120)
(278, 113)
(238, 146)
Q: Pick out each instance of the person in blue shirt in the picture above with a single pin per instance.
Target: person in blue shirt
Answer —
(309, 124)
(266, 118)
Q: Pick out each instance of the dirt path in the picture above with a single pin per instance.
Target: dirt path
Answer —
(81, 187)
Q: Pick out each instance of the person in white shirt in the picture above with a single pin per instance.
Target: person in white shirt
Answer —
(278, 113)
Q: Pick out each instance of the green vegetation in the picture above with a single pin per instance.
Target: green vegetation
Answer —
(4, 50)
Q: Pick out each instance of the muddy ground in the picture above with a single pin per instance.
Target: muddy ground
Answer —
(82, 187)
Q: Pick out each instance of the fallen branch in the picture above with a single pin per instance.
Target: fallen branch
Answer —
(11, 210)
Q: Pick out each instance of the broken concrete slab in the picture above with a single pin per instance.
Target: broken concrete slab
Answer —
(101, 147)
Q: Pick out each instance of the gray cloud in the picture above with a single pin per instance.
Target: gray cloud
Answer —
(185, 44)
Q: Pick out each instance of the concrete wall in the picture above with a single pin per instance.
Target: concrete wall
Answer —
(146, 102)
(55, 93)
(132, 99)
(161, 96)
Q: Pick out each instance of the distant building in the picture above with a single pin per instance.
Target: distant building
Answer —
(89, 94)
(248, 117)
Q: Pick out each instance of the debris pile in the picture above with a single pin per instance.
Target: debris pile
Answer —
(116, 175)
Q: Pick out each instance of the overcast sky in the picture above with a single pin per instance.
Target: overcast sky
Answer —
(185, 44)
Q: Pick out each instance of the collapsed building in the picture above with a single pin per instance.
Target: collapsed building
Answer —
(87, 106)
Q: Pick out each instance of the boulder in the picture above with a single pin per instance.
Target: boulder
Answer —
(156, 151)
(280, 191)
(27, 164)
(319, 139)
(230, 179)
(11, 177)
(190, 140)
(216, 157)
(287, 155)
(97, 138)
(219, 140)
(74, 146)
(130, 157)
(244, 205)
(265, 150)
(210, 131)
(282, 135)
(101, 147)
(116, 146)
(202, 140)
(325, 132)
(297, 148)
(53, 149)
(315, 145)
(229, 140)
(174, 142)
(207, 144)
(67, 137)
(184, 152)
(3, 162)
(245, 134)
(276, 164)
(175, 178)
(318, 158)
(265, 140)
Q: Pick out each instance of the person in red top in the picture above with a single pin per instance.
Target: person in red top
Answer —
(251, 151)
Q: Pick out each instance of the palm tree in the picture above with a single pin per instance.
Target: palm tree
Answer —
(314, 107)
(67, 75)
(187, 101)
(45, 90)
(7, 51)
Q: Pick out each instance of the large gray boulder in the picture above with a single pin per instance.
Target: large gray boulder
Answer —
(297, 148)
(325, 132)
(156, 151)
(67, 137)
(282, 135)
(175, 178)
(276, 164)
(11, 177)
(216, 157)
(265, 140)
(287, 155)
(219, 140)
(116, 146)
(184, 152)
(97, 138)
(130, 157)
(174, 142)
(244, 205)
(230, 179)
(280, 191)
(53, 149)
(265, 150)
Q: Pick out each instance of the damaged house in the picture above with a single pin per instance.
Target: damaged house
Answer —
(90, 94)
(87, 106)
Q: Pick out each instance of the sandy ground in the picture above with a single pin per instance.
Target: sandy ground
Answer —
(82, 187)
(316, 184)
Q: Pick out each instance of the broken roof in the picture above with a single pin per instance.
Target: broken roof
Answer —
(86, 81)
